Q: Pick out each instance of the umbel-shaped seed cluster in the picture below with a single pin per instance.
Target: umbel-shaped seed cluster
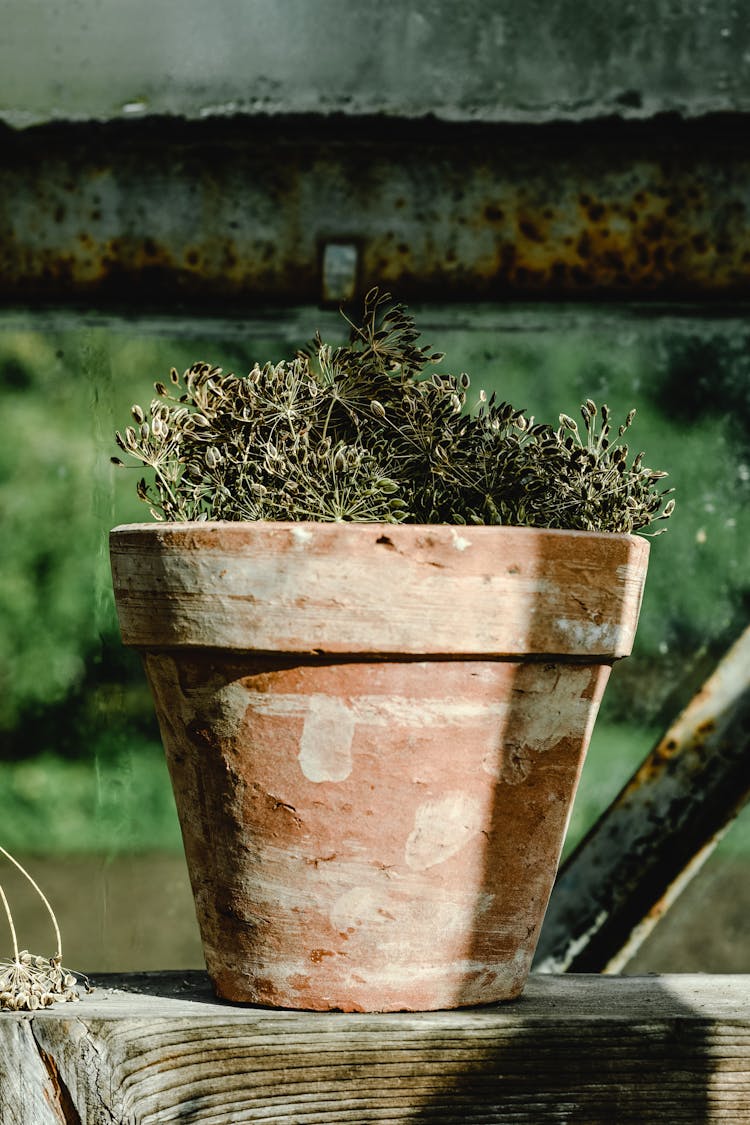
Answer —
(29, 981)
(368, 432)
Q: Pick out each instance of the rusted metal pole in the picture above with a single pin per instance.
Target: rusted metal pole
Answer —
(655, 836)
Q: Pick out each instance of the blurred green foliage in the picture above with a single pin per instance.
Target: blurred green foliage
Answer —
(69, 690)
(122, 802)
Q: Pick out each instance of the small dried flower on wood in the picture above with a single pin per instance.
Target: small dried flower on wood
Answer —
(29, 981)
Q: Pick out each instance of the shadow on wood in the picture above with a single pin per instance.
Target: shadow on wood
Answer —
(157, 1048)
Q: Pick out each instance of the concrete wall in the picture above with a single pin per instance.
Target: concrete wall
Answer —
(488, 60)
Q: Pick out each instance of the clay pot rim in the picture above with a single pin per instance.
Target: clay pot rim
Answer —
(314, 587)
(354, 527)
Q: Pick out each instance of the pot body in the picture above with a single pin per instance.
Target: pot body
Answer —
(374, 736)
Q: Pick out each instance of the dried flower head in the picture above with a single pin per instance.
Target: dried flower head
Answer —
(29, 981)
(369, 432)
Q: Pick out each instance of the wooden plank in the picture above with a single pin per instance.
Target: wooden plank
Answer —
(158, 1048)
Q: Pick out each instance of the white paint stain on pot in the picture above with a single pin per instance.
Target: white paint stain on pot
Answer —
(326, 744)
(564, 713)
(588, 635)
(301, 536)
(442, 827)
(534, 725)
(388, 711)
(459, 541)
(360, 906)
(411, 907)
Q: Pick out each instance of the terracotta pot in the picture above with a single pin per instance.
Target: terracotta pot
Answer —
(374, 735)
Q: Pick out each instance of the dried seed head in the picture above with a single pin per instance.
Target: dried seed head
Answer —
(386, 486)
(333, 400)
(137, 413)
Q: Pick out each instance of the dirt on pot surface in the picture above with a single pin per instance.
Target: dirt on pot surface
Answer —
(136, 913)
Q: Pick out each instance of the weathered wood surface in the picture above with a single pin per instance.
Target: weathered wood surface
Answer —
(157, 1048)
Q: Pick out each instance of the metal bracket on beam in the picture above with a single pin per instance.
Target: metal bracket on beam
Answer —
(339, 272)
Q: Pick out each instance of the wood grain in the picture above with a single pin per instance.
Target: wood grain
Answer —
(157, 1048)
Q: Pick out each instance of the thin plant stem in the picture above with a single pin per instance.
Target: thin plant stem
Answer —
(9, 916)
(42, 896)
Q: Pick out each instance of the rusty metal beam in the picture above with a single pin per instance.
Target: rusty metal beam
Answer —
(234, 213)
(653, 839)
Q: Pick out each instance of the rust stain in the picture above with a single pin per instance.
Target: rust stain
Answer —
(570, 214)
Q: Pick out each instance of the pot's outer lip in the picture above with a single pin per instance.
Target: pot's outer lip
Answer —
(379, 589)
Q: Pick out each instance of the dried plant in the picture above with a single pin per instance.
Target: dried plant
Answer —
(29, 981)
(367, 432)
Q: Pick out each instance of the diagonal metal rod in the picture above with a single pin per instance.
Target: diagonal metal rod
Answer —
(654, 837)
